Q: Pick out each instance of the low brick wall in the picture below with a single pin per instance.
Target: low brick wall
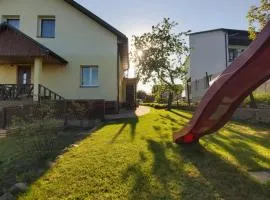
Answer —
(111, 107)
(64, 110)
(252, 115)
(87, 109)
(9, 113)
(15, 103)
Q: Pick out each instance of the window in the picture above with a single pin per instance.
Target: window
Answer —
(89, 76)
(232, 54)
(12, 20)
(47, 27)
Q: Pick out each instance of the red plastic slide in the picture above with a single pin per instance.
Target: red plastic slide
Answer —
(245, 74)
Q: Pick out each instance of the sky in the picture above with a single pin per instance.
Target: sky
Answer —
(135, 17)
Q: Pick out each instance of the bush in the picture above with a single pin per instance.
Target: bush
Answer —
(156, 105)
(162, 100)
(181, 105)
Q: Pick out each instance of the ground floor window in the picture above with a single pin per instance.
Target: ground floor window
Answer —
(89, 76)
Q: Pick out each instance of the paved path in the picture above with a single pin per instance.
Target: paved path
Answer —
(126, 114)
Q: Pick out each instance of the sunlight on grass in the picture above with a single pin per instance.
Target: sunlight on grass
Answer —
(136, 159)
(242, 145)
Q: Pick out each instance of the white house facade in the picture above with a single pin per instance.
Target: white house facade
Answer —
(62, 46)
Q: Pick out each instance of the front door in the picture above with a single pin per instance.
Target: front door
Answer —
(24, 79)
(24, 75)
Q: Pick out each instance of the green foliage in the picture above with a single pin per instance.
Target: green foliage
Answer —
(258, 16)
(159, 54)
(161, 92)
(155, 105)
(141, 95)
(260, 97)
(180, 105)
(149, 99)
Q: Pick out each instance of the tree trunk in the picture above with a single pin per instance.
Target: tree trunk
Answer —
(177, 98)
(252, 103)
(170, 99)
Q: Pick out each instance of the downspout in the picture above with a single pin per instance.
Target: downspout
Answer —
(118, 81)
(226, 49)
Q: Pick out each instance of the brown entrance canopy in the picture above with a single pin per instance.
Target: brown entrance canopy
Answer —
(18, 48)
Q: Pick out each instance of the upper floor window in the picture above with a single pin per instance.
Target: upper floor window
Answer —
(89, 76)
(47, 27)
(12, 20)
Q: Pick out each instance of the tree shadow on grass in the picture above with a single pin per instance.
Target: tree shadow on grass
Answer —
(180, 115)
(167, 118)
(247, 149)
(132, 123)
(190, 172)
(20, 165)
(227, 179)
(244, 153)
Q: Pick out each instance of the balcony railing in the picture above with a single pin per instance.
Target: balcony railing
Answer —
(15, 91)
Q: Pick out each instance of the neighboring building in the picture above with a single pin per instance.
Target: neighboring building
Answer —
(211, 53)
(62, 46)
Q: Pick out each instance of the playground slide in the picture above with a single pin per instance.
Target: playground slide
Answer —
(245, 74)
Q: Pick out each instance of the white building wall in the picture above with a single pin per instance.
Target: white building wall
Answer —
(208, 54)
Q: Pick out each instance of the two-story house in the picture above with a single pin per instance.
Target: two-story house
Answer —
(59, 49)
(211, 53)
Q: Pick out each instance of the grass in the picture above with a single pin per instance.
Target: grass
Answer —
(260, 97)
(136, 159)
(18, 164)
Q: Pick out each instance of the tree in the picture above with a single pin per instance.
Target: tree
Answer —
(258, 16)
(141, 95)
(159, 54)
(178, 92)
(160, 91)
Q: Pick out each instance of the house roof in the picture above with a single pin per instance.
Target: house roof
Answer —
(220, 29)
(235, 36)
(16, 45)
(96, 19)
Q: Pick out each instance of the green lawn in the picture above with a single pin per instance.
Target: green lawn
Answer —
(136, 159)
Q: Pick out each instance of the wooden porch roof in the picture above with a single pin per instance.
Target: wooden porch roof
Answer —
(18, 48)
(131, 80)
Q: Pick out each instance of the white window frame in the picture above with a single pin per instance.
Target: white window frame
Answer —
(40, 18)
(90, 67)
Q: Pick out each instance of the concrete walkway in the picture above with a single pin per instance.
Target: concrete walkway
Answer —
(129, 114)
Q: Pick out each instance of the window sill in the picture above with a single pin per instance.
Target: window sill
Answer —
(89, 86)
(45, 37)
